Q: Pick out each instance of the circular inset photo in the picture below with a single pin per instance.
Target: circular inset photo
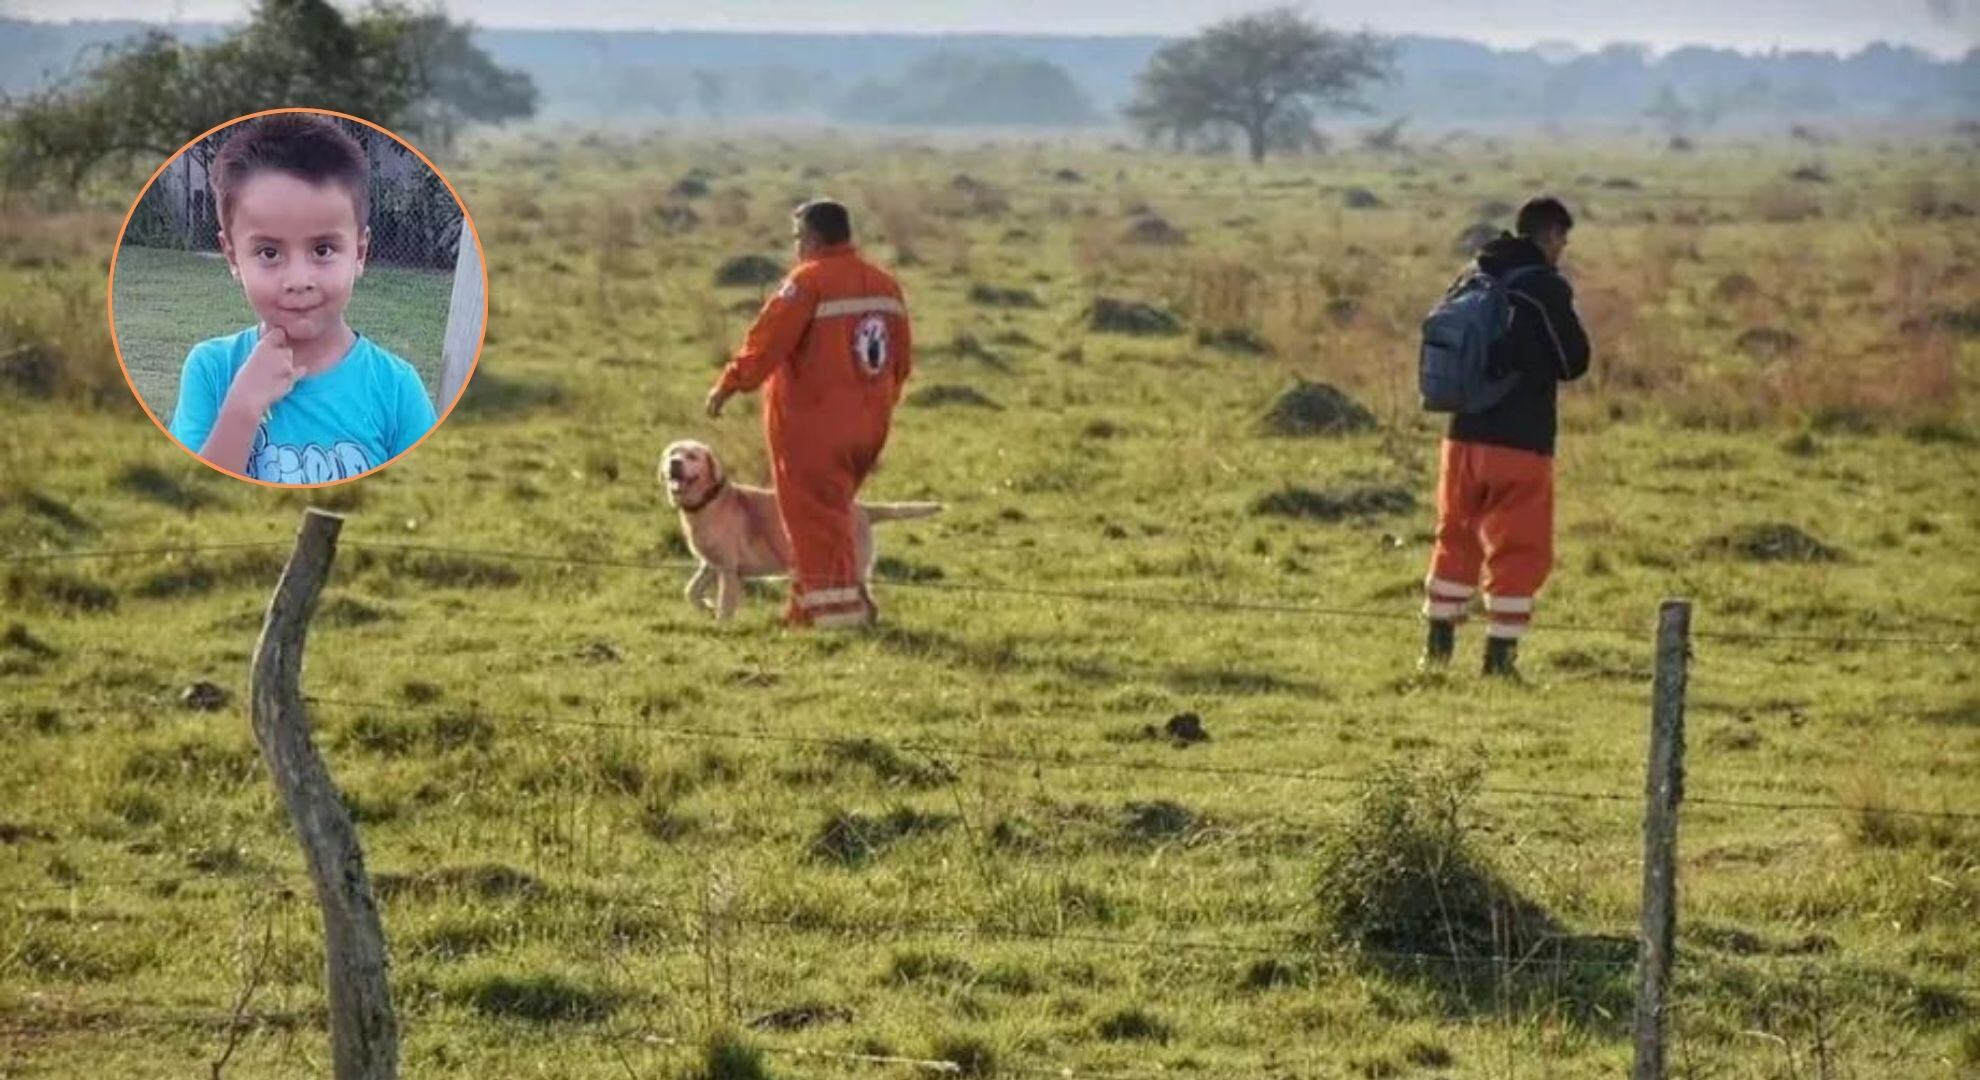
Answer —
(298, 297)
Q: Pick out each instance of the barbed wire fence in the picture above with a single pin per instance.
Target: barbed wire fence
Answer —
(1957, 634)
(691, 920)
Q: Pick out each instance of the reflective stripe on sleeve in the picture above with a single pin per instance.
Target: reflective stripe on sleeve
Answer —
(859, 305)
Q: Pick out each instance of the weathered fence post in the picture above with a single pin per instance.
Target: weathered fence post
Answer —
(466, 312)
(364, 1034)
(1663, 789)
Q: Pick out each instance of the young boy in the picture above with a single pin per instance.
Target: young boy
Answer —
(300, 398)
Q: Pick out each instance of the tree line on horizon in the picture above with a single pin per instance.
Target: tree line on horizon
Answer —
(1259, 82)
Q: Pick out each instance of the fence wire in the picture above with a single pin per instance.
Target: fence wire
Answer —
(1055, 760)
(1159, 939)
(1967, 634)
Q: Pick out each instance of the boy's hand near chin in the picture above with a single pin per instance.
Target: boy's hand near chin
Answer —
(267, 377)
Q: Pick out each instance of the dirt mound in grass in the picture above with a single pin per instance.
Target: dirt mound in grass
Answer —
(1312, 408)
(1773, 541)
(749, 270)
(1767, 342)
(1154, 229)
(949, 394)
(1108, 315)
(1360, 198)
(998, 296)
(1338, 504)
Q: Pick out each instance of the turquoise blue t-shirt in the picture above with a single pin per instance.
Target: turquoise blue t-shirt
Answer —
(363, 412)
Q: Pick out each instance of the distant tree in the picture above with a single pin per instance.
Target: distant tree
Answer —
(450, 82)
(1264, 75)
(1386, 139)
(952, 88)
(412, 71)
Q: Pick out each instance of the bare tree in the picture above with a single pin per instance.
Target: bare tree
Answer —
(1264, 75)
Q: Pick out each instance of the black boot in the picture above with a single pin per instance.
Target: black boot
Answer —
(1438, 644)
(1501, 655)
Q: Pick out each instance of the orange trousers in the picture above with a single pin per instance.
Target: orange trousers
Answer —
(1495, 528)
(818, 476)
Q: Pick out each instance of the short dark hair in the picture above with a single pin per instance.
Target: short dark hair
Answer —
(1543, 215)
(827, 219)
(304, 145)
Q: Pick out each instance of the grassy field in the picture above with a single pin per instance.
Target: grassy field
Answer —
(168, 301)
(600, 823)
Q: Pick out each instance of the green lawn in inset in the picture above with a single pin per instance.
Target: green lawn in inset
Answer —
(168, 301)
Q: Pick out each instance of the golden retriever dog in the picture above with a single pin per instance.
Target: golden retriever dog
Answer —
(736, 532)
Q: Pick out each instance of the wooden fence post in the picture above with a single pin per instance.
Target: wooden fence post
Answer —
(466, 313)
(364, 1033)
(1663, 789)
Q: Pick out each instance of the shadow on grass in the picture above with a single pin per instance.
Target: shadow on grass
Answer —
(1004, 656)
(490, 396)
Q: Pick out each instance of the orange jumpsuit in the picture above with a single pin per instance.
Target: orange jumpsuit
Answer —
(1495, 516)
(832, 350)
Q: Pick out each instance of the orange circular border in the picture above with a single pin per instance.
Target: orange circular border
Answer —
(110, 299)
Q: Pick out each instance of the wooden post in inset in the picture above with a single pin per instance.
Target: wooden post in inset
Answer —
(1663, 789)
(364, 1034)
(466, 313)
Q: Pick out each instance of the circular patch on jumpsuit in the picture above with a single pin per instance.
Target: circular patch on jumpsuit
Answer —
(870, 344)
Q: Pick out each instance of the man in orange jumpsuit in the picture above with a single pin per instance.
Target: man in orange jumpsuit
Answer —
(1495, 485)
(832, 350)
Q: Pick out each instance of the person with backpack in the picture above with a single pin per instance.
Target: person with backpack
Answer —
(1494, 351)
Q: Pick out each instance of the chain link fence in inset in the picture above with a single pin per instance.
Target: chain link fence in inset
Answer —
(415, 221)
(172, 289)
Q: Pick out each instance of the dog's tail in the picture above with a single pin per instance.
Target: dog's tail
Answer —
(901, 511)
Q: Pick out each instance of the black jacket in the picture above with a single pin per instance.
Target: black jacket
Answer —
(1545, 344)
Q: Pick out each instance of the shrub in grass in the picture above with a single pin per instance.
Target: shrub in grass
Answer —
(1134, 1024)
(970, 1055)
(1403, 874)
(726, 1056)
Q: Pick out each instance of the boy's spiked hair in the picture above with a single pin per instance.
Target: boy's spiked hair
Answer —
(304, 145)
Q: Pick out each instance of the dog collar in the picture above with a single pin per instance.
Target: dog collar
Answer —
(721, 486)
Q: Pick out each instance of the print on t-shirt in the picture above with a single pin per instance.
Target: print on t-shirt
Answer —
(287, 463)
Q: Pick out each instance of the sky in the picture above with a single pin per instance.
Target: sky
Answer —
(1943, 27)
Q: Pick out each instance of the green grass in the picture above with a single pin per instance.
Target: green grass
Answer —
(168, 301)
(553, 891)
